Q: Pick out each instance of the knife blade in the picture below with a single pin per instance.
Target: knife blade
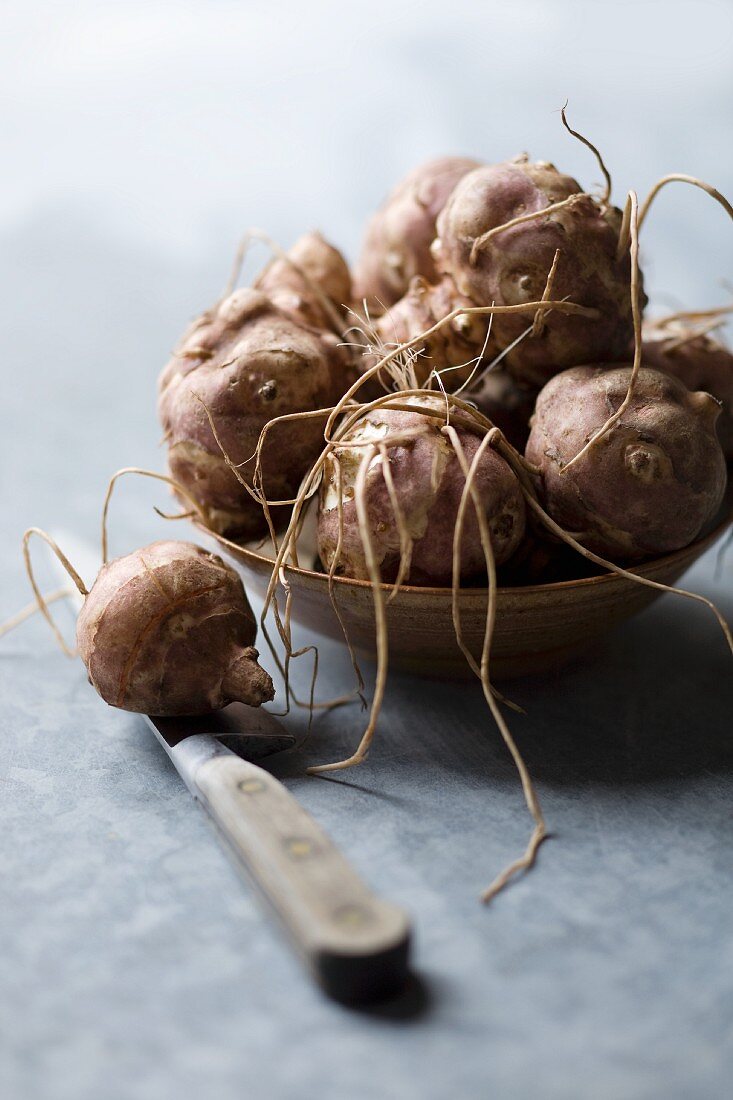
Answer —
(355, 943)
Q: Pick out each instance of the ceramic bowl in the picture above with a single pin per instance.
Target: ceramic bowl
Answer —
(538, 627)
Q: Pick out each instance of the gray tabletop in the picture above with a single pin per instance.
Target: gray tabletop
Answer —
(135, 963)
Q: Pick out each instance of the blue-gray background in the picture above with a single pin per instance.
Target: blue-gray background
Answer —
(138, 141)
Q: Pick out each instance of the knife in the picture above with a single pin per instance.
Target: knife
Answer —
(354, 943)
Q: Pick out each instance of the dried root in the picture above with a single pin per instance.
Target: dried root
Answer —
(679, 177)
(41, 601)
(176, 486)
(629, 236)
(606, 196)
(480, 243)
(539, 833)
(636, 310)
(30, 609)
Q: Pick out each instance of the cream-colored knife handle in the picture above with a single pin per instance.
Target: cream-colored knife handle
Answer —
(356, 944)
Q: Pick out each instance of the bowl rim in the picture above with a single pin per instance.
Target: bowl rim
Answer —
(651, 566)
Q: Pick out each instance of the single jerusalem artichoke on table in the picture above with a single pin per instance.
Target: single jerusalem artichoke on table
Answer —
(398, 238)
(428, 483)
(646, 487)
(511, 266)
(168, 630)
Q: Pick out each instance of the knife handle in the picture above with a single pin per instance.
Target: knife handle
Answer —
(356, 944)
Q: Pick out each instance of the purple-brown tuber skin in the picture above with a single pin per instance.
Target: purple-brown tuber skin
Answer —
(323, 266)
(429, 483)
(168, 630)
(397, 242)
(459, 344)
(650, 484)
(249, 362)
(701, 362)
(512, 267)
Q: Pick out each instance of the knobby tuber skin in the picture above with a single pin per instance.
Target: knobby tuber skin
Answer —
(512, 265)
(461, 344)
(168, 630)
(324, 266)
(506, 403)
(698, 360)
(397, 242)
(246, 361)
(428, 482)
(651, 483)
